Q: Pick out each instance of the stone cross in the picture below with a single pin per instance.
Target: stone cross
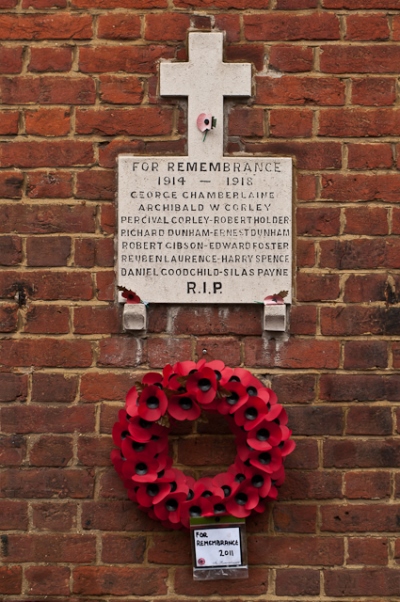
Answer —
(205, 79)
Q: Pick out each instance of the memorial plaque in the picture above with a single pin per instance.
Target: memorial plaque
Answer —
(205, 231)
(205, 228)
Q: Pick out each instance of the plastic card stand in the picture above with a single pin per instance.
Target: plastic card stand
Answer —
(219, 548)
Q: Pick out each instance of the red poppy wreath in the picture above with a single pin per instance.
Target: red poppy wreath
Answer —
(257, 420)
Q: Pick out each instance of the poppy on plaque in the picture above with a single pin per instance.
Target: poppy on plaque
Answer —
(183, 407)
(203, 385)
(130, 296)
(152, 403)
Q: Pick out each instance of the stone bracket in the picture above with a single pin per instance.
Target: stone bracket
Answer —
(275, 317)
(134, 316)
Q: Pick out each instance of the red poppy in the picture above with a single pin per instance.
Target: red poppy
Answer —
(207, 488)
(153, 378)
(149, 494)
(184, 368)
(250, 414)
(226, 481)
(265, 436)
(267, 461)
(142, 430)
(183, 407)
(203, 385)
(218, 368)
(131, 297)
(169, 508)
(120, 431)
(235, 397)
(131, 401)
(195, 508)
(153, 403)
(252, 385)
(242, 503)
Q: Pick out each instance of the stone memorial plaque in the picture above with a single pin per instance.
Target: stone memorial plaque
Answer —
(205, 228)
(215, 231)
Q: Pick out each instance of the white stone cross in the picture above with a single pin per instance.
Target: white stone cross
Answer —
(205, 79)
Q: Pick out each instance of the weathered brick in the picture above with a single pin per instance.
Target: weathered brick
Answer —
(13, 515)
(46, 353)
(48, 89)
(47, 286)
(100, 580)
(12, 450)
(100, 386)
(246, 122)
(307, 353)
(13, 387)
(316, 26)
(55, 59)
(356, 123)
(131, 59)
(146, 121)
(372, 453)
(299, 90)
(10, 579)
(171, 548)
(45, 27)
(373, 58)
(48, 251)
(297, 582)
(292, 59)
(121, 90)
(304, 550)
(361, 582)
(11, 59)
(257, 585)
(292, 518)
(52, 516)
(367, 27)
(94, 451)
(47, 319)
(51, 451)
(49, 580)
(365, 355)
(47, 122)
(121, 26)
(370, 156)
(361, 288)
(290, 123)
(372, 550)
(312, 485)
(367, 485)
(66, 153)
(53, 185)
(373, 91)
(47, 483)
(165, 27)
(10, 250)
(41, 419)
(123, 549)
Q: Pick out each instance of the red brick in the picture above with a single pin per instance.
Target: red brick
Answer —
(122, 26)
(374, 91)
(256, 586)
(306, 456)
(116, 516)
(53, 185)
(359, 320)
(47, 122)
(361, 582)
(306, 187)
(43, 419)
(305, 254)
(47, 319)
(10, 250)
(303, 320)
(48, 251)
(11, 59)
(316, 26)
(90, 252)
(290, 123)
(103, 4)
(48, 483)
(296, 4)
(343, 387)
(49, 580)
(365, 420)
(111, 486)
(10, 580)
(8, 317)
(372, 453)
(304, 550)
(46, 285)
(55, 59)
(317, 287)
(44, 4)
(94, 451)
(13, 387)
(373, 58)
(107, 218)
(353, 254)
(367, 485)
(296, 388)
(367, 27)
(245, 53)
(100, 386)
(357, 4)
(51, 451)
(54, 388)
(297, 582)
(291, 518)
(12, 450)
(201, 320)
(105, 286)
(296, 353)
(45, 27)
(131, 59)
(96, 184)
(170, 548)
(222, 4)
(291, 59)
(162, 351)
(101, 319)
(365, 288)
(227, 349)
(316, 420)
(206, 451)
(9, 123)
(357, 187)
(371, 550)
(48, 90)
(54, 548)
(370, 156)
(318, 221)
(123, 549)
(120, 90)
(165, 27)
(147, 121)
(120, 352)
(66, 153)
(246, 122)
(49, 516)
(299, 90)
(230, 24)
(359, 122)
(100, 580)
(11, 183)
(364, 355)
(308, 155)
(46, 353)
(311, 485)
(13, 515)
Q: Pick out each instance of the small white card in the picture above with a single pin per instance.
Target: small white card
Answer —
(217, 547)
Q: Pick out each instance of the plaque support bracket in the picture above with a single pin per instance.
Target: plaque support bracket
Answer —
(134, 316)
(275, 317)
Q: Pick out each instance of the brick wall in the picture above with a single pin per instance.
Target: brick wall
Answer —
(79, 86)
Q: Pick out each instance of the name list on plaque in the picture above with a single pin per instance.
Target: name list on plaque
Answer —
(217, 231)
